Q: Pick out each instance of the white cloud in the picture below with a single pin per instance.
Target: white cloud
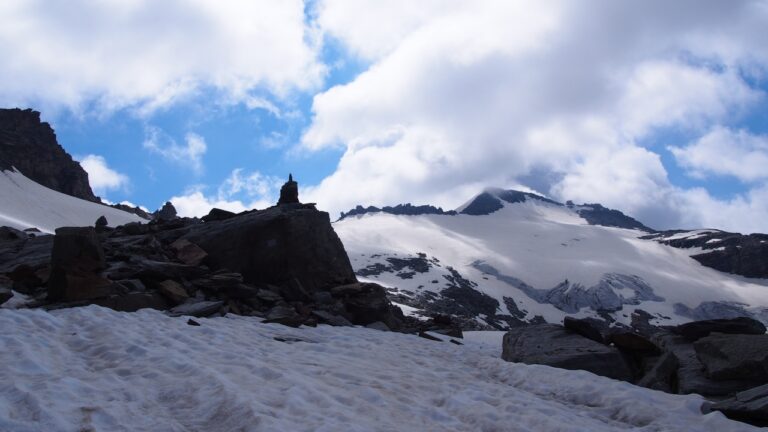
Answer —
(190, 154)
(467, 95)
(101, 177)
(726, 152)
(239, 192)
(147, 54)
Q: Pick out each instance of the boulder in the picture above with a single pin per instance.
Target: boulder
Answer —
(553, 345)
(76, 260)
(590, 328)
(188, 252)
(5, 289)
(101, 222)
(26, 280)
(11, 234)
(734, 356)
(378, 325)
(173, 291)
(367, 303)
(749, 406)
(284, 315)
(276, 246)
(691, 376)
(698, 329)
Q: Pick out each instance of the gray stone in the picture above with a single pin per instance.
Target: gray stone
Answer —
(734, 356)
(590, 328)
(378, 325)
(131, 302)
(284, 315)
(553, 345)
(188, 252)
(662, 374)
(173, 291)
(698, 329)
(197, 309)
(750, 406)
(691, 376)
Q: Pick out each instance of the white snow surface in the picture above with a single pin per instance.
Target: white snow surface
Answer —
(26, 204)
(543, 245)
(94, 369)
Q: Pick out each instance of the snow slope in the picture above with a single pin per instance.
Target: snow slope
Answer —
(547, 260)
(93, 369)
(26, 204)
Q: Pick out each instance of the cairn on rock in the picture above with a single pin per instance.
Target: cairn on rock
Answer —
(289, 193)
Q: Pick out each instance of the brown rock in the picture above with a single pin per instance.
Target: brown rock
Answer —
(173, 291)
(188, 252)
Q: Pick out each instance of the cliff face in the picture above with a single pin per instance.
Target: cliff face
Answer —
(30, 146)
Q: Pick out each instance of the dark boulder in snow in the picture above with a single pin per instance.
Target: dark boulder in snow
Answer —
(76, 260)
(698, 329)
(662, 374)
(728, 356)
(590, 328)
(553, 345)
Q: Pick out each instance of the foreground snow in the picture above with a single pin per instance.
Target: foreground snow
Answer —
(26, 204)
(96, 369)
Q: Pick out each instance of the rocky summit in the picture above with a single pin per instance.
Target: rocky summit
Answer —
(29, 145)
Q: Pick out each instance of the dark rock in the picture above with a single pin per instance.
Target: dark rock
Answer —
(289, 192)
(166, 213)
(131, 302)
(133, 285)
(662, 375)
(192, 322)
(268, 296)
(76, 260)
(633, 343)
(101, 222)
(749, 406)
(217, 214)
(400, 209)
(590, 328)
(11, 234)
(698, 329)
(596, 214)
(451, 331)
(173, 291)
(5, 289)
(158, 270)
(455, 342)
(30, 146)
(26, 280)
(197, 309)
(734, 356)
(284, 315)
(553, 345)
(691, 377)
(367, 303)
(329, 318)
(188, 252)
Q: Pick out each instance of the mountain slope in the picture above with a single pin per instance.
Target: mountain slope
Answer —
(532, 259)
(27, 204)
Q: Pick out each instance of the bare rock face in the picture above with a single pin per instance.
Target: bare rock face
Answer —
(30, 146)
(289, 193)
(553, 345)
(734, 356)
(76, 261)
(277, 246)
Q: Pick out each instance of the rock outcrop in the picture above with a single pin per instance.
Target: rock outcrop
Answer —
(30, 146)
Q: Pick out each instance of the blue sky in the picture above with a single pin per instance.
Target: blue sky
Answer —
(657, 110)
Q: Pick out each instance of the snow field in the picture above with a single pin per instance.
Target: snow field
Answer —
(95, 369)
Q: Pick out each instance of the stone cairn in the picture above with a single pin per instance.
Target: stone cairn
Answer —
(289, 193)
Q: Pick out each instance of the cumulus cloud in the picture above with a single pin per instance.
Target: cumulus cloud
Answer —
(101, 177)
(189, 154)
(560, 95)
(723, 152)
(239, 192)
(145, 54)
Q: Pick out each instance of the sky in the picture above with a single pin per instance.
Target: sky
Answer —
(656, 108)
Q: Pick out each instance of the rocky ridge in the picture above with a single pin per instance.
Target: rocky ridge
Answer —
(30, 146)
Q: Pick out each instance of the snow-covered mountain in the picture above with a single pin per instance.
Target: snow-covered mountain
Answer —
(26, 204)
(507, 257)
